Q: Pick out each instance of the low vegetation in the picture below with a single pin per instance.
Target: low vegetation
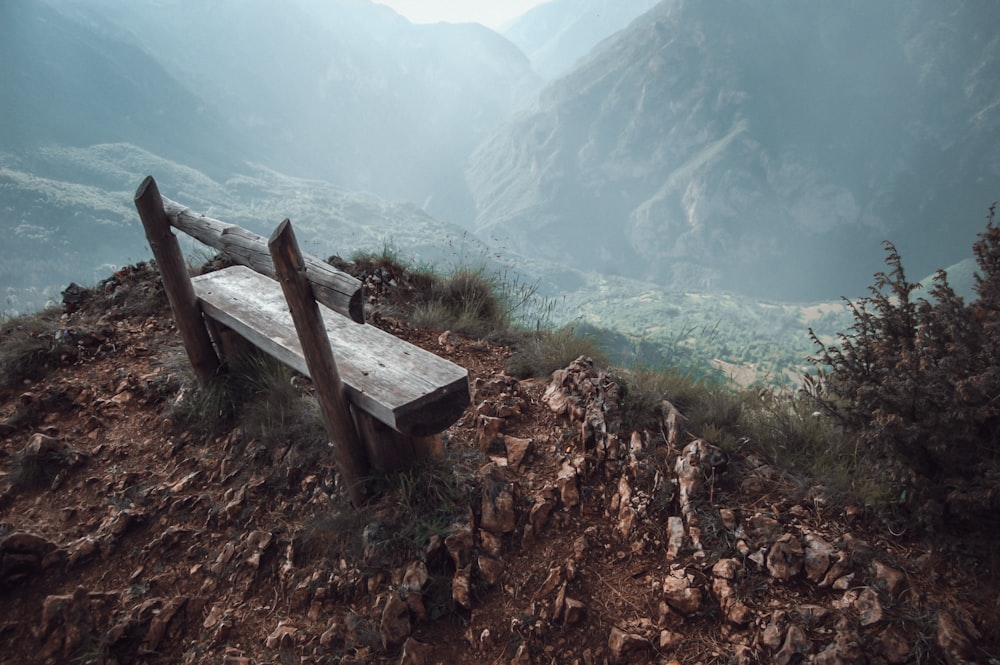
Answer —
(902, 415)
(33, 345)
(541, 352)
(30, 346)
(917, 379)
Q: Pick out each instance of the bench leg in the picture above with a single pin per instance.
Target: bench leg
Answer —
(389, 450)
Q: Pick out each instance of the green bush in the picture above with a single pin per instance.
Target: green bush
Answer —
(919, 380)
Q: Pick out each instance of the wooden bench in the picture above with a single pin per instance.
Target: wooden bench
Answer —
(405, 387)
(383, 399)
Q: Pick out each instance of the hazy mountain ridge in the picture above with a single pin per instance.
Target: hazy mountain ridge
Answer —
(557, 33)
(749, 147)
(679, 178)
(348, 92)
(71, 83)
(70, 216)
(82, 229)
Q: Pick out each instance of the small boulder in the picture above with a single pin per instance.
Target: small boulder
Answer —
(627, 647)
(816, 558)
(869, 607)
(490, 569)
(681, 593)
(517, 449)
(498, 509)
(416, 653)
(725, 572)
(395, 625)
(956, 637)
(282, 636)
(894, 645)
(784, 559)
(795, 645)
(574, 612)
(461, 587)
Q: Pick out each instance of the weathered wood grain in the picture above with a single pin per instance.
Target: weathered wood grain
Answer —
(335, 289)
(319, 359)
(409, 389)
(176, 283)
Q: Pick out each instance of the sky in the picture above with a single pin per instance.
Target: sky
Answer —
(492, 13)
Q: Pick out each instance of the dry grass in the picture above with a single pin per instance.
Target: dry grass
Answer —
(30, 346)
(542, 352)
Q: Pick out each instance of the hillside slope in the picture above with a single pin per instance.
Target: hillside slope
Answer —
(763, 148)
(557, 33)
(348, 92)
(71, 83)
(550, 534)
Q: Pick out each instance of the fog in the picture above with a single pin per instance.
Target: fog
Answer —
(764, 149)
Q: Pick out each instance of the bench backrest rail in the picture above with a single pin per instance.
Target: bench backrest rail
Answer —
(334, 288)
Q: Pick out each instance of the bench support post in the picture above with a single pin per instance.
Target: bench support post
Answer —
(290, 268)
(176, 282)
(389, 450)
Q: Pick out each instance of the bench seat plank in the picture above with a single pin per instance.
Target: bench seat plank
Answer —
(407, 388)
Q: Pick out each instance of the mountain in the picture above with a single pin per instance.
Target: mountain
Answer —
(557, 33)
(765, 148)
(68, 216)
(70, 83)
(347, 91)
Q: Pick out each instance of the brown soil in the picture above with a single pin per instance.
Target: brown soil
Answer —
(131, 541)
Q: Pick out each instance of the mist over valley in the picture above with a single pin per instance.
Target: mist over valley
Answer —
(689, 178)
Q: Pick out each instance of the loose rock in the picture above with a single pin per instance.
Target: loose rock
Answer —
(784, 560)
(627, 647)
(395, 625)
(681, 593)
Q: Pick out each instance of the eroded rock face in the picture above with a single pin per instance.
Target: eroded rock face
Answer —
(66, 621)
(591, 399)
(23, 555)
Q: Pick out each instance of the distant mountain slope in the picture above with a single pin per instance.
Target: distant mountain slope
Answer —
(72, 83)
(347, 91)
(557, 33)
(67, 215)
(763, 147)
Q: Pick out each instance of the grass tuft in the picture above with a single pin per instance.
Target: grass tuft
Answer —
(424, 500)
(467, 301)
(31, 346)
(543, 352)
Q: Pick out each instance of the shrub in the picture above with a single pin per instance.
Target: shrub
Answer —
(645, 389)
(257, 395)
(543, 352)
(919, 380)
(466, 301)
(30, 346)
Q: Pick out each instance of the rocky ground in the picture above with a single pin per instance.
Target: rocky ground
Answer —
(127, 539)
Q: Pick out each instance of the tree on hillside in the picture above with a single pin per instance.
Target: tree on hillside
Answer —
(919, 381)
